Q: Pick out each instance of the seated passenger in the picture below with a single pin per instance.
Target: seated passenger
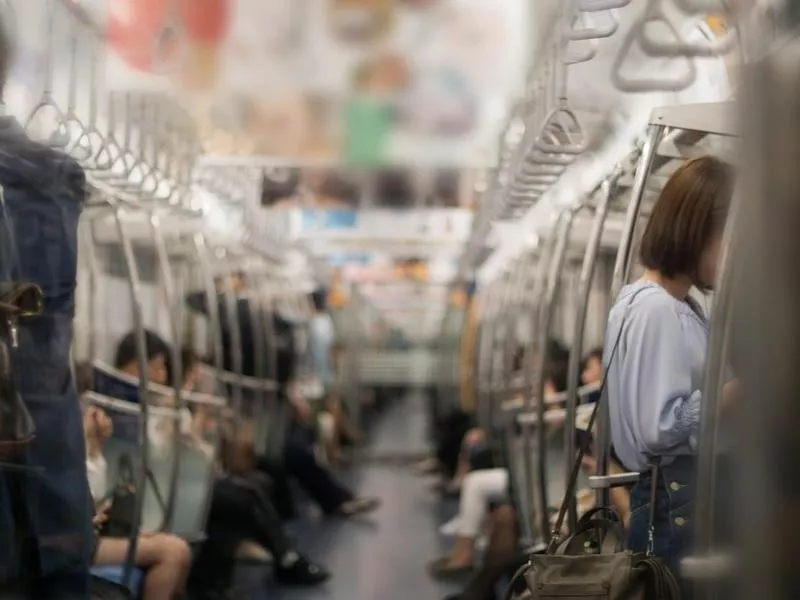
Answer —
(241, 512)
(196, 427)
(336, 428)
(481, 488)
(592, 372)
(160, 427)
(502, 556)
(164, 557)
(301, 463)
(475, 453)
(157, 353)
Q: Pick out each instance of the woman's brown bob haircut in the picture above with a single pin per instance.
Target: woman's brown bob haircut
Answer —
(691, 209)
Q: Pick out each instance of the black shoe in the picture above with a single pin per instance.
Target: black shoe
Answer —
(359, 506)
(301, 572)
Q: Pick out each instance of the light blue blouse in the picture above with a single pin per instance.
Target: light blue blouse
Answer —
(655, 378)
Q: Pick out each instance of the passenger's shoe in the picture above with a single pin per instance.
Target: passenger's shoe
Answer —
(359, 506)
(442, 568)
(429, 466)
(451, 527)
(301, 572)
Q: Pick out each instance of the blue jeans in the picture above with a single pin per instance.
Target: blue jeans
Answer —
(673, 513)
(44, 192)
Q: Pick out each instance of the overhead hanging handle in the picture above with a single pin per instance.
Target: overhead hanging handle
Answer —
(654, 13)
(630, 84)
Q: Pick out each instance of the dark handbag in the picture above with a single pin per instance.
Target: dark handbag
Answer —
(121, 501)
(18, 301)
(123, 498)
(592, 563)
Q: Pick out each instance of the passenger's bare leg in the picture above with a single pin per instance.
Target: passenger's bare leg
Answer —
(166, 559)
(344, 426)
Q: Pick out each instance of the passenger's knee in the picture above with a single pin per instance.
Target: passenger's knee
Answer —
(174, 550)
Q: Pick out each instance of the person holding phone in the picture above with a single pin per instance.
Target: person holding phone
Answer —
(164, 557)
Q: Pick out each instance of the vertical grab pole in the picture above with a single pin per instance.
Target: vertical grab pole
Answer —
(713, 382)
(485, 339)
(214, 321)
(87, 234)
(231, 305)
(607, 190)
(168, 281)
(259, 358)
(540, 280)
(545, 322)
(622, 267)
(134, 287)
(280, 405)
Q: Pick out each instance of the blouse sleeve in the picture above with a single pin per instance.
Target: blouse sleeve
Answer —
(659, 380)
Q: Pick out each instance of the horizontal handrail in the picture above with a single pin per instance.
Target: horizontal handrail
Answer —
(583, 392)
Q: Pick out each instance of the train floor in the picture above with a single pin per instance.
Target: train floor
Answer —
(382, 557)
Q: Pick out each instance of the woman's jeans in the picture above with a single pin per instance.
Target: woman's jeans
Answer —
(673, 513)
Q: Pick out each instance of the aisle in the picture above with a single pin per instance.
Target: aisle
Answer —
(384, 557)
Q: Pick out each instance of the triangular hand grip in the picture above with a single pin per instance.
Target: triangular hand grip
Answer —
(80, 146)
(107, 155)
(588, 31)
(625, 83)
(600, 5)
(59, 138)
(556, 119)
(678, 47)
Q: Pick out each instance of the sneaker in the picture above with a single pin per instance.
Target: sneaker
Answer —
(300, 572)
(359, 506)
(451, 527)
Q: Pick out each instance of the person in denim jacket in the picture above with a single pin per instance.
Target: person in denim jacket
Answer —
(43, 192)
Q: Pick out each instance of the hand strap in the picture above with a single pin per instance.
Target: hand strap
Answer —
(569, 492)
(655, 474)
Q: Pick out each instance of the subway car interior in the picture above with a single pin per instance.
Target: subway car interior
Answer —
(389, 299)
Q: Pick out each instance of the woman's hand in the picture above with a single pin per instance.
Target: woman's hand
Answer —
(730, 395)
(100, 518)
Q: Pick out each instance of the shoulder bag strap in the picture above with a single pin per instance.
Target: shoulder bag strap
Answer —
(569, 492)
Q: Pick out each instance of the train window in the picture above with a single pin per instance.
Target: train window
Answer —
(446, 188)
(279, 184)
(339, 187)
(394, 188)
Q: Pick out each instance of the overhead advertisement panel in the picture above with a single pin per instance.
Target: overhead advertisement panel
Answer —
(315, 220)
(378, 82)
(446, 224)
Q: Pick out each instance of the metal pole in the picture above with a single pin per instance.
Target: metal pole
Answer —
(214, 324)
(134, 287)
(607, 191)
(168, 282)
(622, 266)
(545, 321)
(93, 264)
(231, 306)
(529, 378)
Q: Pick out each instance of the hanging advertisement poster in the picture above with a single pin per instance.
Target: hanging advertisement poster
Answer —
(346, 81)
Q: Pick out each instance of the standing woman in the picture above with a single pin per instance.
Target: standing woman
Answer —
(655, 377)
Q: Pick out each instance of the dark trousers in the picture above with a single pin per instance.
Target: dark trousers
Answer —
(240, 511)
(450, 432)
(300, 463)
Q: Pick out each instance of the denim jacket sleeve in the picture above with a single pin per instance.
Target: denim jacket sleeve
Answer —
(659, 382)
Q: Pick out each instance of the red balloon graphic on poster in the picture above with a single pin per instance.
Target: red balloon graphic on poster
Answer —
(148, 34)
